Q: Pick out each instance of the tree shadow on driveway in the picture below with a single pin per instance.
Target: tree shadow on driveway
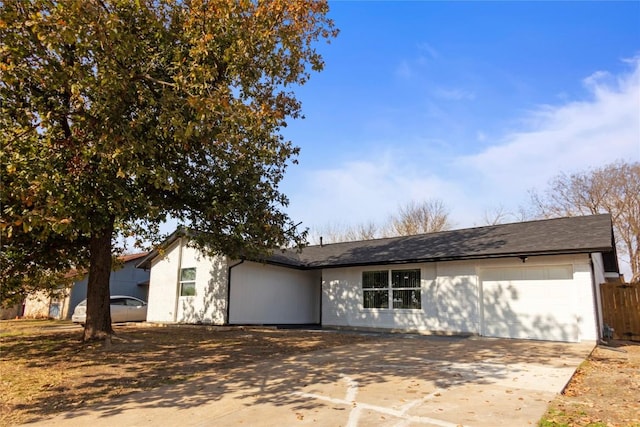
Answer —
(275, 377)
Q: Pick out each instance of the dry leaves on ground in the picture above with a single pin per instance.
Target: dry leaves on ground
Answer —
(605, 391)
(45, 369)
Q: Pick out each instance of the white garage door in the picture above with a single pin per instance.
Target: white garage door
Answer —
(530, 302)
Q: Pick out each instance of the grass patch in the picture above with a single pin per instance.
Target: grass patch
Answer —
(553, 418)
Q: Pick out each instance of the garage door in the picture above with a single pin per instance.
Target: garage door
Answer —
(529, 302)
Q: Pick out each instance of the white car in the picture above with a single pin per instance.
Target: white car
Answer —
(123, 309)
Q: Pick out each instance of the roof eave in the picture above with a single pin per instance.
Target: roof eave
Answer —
(458, 258)
(145, 263)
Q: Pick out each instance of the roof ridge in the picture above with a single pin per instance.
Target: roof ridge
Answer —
(460, 229)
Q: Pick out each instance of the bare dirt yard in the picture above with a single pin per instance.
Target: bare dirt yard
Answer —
(45, 369)
(604, 392)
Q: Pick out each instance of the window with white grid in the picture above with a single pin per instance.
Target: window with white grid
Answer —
(187, 282)
(396, 289)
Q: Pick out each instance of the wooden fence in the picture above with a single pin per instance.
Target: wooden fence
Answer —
(621, 309)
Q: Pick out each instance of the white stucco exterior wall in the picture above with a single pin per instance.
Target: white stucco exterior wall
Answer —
(209, 303)
(456, 295)
(452, 298)
(162, 285)
(266, 294)
(586, 300)
(342, 300)
(548, 297)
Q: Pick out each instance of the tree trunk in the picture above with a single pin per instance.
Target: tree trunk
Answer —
(98, 322)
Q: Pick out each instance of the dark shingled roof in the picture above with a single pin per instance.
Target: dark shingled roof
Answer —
(582, 234)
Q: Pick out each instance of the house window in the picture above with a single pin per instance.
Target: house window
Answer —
(187, 282)
(406, 289)
(398, 289)
(375, 289)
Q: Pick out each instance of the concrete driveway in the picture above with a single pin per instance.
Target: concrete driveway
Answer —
(398, 380)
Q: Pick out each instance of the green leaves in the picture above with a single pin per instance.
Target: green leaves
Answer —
(136, 110)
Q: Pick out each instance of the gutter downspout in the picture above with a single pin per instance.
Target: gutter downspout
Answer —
(226, 320)
(597, 299)
(175, 308)
(320, 314)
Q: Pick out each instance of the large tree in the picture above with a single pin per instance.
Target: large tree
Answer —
(118, 113)
(614, 189)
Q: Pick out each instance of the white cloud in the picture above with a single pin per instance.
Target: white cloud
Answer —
(367, 190)
(596, 79)
(564, 137)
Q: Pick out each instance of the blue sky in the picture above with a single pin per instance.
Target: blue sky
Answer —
(472, 103)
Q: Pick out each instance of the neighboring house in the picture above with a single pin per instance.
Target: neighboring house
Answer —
(535, 280)
(126, 279)
(40, 305)
(11, 312)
